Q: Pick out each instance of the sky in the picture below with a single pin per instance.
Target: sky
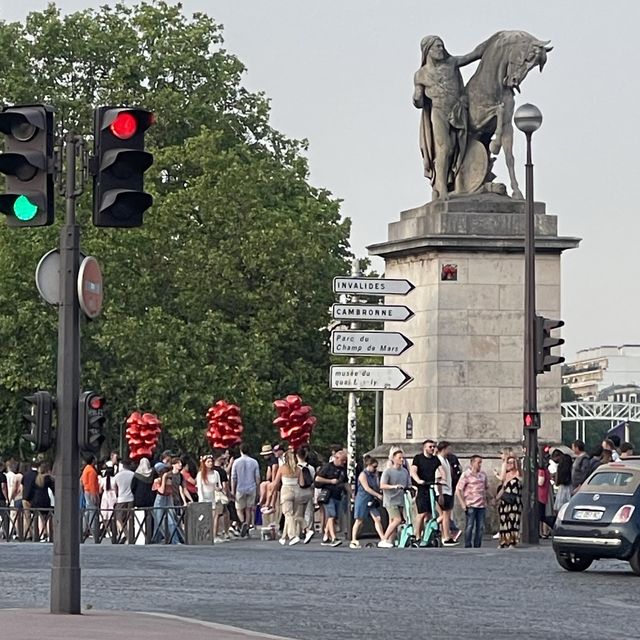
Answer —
(340, 74)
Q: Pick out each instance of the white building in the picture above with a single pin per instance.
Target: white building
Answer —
(597, 368)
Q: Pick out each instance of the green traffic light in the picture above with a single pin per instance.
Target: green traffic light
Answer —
(24, 208)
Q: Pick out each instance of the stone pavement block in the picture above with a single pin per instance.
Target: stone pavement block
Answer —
(106, 625)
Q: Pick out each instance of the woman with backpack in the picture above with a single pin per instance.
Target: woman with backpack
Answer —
(303, 496)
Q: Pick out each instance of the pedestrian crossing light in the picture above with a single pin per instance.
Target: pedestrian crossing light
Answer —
(118, 166)
(28, 163)
(38, 419)
(531, 420)
(91, 421)
(544, 342)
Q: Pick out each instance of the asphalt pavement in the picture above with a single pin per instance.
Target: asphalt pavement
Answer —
(319, 593)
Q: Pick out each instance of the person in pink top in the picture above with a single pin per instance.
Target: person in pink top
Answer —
(472, 492)
(544, 491)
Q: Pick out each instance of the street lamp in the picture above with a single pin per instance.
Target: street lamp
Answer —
(528, 119)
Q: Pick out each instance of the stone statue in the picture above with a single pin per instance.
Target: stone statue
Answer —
(460, 126)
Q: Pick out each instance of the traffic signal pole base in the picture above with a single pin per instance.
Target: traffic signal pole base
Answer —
(64, 600)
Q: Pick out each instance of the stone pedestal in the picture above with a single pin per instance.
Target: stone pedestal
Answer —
(467, 362)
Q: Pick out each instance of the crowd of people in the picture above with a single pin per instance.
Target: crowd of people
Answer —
(295, 494)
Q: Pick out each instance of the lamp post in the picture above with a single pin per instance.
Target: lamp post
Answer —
(528, 119)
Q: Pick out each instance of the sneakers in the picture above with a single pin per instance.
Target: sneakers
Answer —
(496, 536)
(335, 543)
(449, 543)
(385, 544)
(282, 541)
(244, 530)
(308, 536)
(218, 540)
(456, 535)
(234, 532)
(354, 544)
(325, 542)
(267, 510)
(294, 541)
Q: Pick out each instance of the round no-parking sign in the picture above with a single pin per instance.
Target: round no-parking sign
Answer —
(90, 291)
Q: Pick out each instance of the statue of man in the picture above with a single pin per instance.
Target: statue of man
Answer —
(439, 92)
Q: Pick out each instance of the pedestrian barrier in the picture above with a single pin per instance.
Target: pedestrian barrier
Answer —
(164, 525)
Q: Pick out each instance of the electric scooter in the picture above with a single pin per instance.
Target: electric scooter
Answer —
(431, 535)
(406, 534)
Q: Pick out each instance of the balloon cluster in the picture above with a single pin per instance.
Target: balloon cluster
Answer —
(225, 425)
(294, 421)
(143, 431)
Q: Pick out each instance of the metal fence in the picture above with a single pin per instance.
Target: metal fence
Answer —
(163, 525)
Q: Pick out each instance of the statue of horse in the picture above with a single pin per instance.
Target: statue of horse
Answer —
(507, 58)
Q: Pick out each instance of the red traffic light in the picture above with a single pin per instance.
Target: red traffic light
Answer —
(97, 402)
(124, 126)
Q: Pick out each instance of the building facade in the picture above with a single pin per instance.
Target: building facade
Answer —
(599, 368)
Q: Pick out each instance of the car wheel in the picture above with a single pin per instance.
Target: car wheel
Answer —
(635, 562)
(573, 562)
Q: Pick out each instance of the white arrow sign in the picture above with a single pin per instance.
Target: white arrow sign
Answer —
(369, 343)
(370, 378)
(372, 286)
(371, 312)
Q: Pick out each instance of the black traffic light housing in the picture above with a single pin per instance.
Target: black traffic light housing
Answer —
(118, 166)
(91, 420)
(28, 163)
(544, 342)
(38, 421)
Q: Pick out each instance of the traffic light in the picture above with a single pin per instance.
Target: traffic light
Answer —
(544, 342)
(91, 421)
(118, 166)
(28, 163)
(531, 420)
(38, 421)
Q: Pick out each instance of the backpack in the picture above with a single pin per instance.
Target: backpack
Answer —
(306, 479)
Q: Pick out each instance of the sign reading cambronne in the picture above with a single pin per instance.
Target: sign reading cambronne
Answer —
(371, 312)
(372, 286)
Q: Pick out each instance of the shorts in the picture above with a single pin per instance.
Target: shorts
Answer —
(423, 500)
(394, 511)
(362, 510)
(245, 500)
(446, 502)
(333, 508)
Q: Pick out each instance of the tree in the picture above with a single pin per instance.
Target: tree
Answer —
(225, 291)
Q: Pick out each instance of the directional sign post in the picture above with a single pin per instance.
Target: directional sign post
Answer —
(371, 312)
(372, 286)
(369, 343)
(368, 378)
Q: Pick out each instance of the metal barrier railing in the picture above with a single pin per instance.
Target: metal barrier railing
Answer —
(153, 525)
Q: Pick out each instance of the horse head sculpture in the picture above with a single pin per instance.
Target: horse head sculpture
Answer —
(506, 59)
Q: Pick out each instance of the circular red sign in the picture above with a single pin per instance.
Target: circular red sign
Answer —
(90, 291)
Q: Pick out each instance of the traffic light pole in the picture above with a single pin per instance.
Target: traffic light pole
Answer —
(65, 567)
(530, 514)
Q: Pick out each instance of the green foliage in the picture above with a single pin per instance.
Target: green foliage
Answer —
(225, 292)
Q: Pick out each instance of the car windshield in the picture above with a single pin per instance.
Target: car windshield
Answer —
(612, 481)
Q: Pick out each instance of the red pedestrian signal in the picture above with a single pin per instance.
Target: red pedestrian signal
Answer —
(531, 420)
